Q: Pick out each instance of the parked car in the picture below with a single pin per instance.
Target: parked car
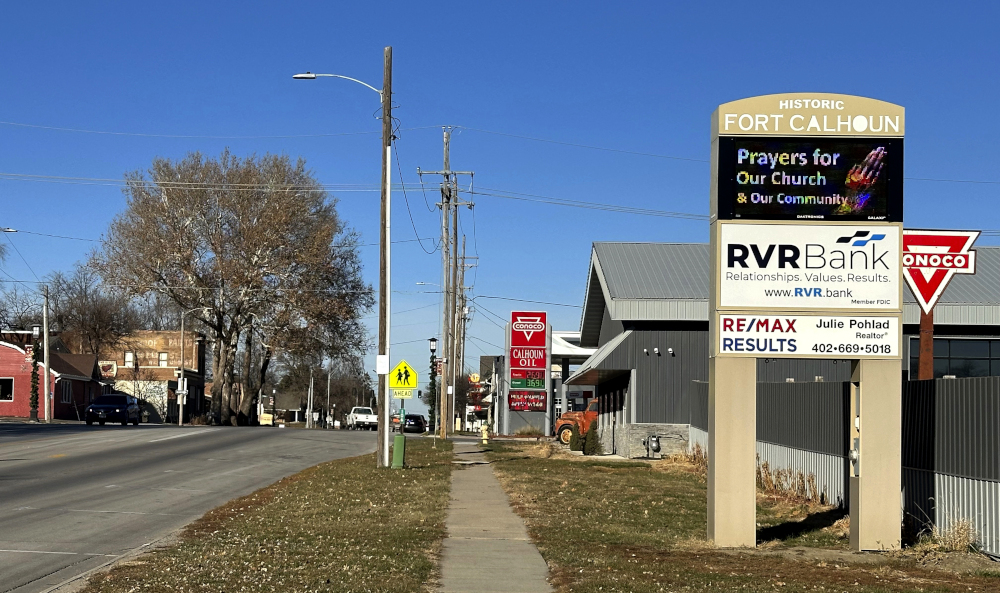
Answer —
(362, 418)
(564, 423)
(115, 407)
(415, 423)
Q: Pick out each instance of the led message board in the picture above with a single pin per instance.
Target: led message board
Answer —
(801, 178)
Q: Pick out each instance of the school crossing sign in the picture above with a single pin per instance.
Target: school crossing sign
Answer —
(403, 380)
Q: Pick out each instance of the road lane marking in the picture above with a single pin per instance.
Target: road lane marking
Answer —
(177, 436)
(57, 455)
(59, 553)
(127, 513)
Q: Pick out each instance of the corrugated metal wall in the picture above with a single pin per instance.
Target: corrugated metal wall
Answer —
(967, 427)
(975, 500)
(778, 370)
(829, 471)
(698, 395)
(663, 379)
(806, 416)
(950, 448)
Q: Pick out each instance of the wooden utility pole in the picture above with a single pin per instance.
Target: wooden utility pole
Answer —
(460, 350)
(449, 264)
(383, 282)
(925, 366)
(47, 381)
(453, 362)
(446, 284)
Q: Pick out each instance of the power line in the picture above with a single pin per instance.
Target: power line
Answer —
(9, 240)
(482, 296)
(588, 146)
(588, 205)
(399, 169)
(485, 342)
(201, 136)
(349, 244)
(471, 129)
(10, 230)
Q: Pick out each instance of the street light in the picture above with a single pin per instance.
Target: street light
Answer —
(382, 363)
(182, 377)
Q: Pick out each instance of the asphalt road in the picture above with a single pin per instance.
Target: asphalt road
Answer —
(74, 497)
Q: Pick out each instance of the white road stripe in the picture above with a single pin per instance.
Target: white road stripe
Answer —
(124, 512)
(59, 553)
(177, 436)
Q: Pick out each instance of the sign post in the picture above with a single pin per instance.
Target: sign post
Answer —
(403, 380)
(806, 242)
(931, 259)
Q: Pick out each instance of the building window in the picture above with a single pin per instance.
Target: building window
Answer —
(959, 357)
(6, 389)
(67, 392)
(163, 359)
(129, 359)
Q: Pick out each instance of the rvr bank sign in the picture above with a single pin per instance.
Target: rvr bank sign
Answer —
(809, 267)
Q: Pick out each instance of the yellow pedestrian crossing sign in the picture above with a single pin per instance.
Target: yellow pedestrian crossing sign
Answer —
(403, 376)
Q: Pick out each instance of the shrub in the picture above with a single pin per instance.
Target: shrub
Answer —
(528, 430)
(575, 442)
(592, 442)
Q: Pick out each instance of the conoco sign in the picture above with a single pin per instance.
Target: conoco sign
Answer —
(931, 259)
(528, 328)
(528, 356)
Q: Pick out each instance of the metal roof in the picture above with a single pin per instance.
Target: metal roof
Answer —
(655, 270)
(670, 282)
(591, 372)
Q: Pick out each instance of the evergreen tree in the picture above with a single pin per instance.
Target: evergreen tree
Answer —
(34, 378)
(592, 442)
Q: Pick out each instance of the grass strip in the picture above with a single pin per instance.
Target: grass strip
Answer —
(639, 527)
(339, 526)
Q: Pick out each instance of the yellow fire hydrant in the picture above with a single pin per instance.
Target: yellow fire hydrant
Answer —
(486, 434)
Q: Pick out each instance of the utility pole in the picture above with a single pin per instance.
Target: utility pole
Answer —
(460, 342)
(309, 404)
(45, 353)
(449, 250)
(462, 313)
(453, 362)
(328, 415)
(384, 259)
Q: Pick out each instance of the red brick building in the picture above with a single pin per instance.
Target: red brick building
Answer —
(74, 381)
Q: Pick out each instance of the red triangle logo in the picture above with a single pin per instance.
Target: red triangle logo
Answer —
(932, 258)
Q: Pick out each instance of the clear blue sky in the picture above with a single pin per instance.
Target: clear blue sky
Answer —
(640, 77)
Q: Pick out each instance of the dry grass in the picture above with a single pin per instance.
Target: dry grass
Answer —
(787, 482)
(640, 527)
(339, 526)
(959, 536)
(529, 431)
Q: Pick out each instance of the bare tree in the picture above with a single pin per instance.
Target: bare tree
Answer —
(241, 243)
(93, 318)
(20, 308)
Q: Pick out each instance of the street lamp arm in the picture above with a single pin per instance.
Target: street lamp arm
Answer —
(311, 76)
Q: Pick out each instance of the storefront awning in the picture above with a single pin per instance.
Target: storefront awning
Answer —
(594, 371)
(561, 349)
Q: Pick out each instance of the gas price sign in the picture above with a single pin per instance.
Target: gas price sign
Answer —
(789, 178)
(528, 353)
(525, 379)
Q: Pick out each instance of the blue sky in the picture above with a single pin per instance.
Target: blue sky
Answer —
(640, 77)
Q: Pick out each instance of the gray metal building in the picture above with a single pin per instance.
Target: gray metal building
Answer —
(646, 311)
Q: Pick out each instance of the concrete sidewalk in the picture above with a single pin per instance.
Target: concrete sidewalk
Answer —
(487, 548)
